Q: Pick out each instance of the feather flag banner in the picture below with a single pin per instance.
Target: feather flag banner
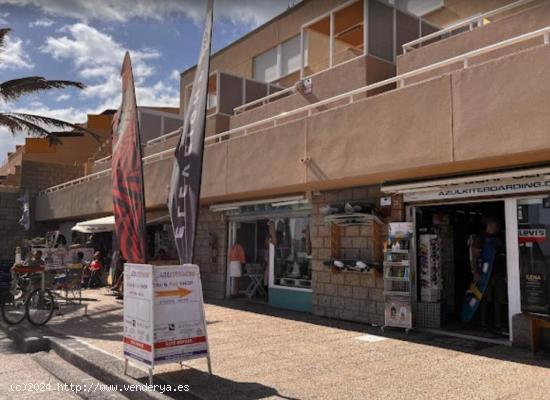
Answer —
(183, 201)
(127, 173)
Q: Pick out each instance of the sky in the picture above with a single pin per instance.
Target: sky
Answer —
(85, 40)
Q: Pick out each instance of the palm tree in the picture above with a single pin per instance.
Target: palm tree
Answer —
(33, 125)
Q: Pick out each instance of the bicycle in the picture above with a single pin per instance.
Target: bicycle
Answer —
(28, 298)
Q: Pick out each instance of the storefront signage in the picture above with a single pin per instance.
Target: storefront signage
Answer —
(398, 312)
(163, 314)
(493, 187)
(138, 313)
(180, 330)
(531, 235)
(534, 294)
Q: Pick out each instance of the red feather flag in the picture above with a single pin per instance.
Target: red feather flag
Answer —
(127, 173)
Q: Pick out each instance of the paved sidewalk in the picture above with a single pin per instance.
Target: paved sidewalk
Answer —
(21, 377)
(259, 352)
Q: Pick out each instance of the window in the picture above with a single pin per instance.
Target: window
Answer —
(265, 66)
(279, 61)
(292, 258)
(212, 101)
(534, 254)
(290, 55)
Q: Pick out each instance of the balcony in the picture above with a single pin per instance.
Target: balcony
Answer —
(479, 117)
(473, 33)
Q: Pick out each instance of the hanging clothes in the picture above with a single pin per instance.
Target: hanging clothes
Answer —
(237, 258)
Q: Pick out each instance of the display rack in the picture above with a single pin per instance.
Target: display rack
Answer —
(397, 276)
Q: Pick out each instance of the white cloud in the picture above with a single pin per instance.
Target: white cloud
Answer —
(3, 17)
(43, 22)
(13, 56)
(251, 12)
(175, 75)
(63, 97)
(98, 57)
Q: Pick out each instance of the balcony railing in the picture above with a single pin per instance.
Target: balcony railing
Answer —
(347, 98)
(470, 23)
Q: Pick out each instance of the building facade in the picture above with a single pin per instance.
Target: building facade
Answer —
(385, 112)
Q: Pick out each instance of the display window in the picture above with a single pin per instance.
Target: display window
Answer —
(292, 252)
(534, 255)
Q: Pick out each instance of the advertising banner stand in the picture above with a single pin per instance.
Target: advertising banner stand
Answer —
(164, 319)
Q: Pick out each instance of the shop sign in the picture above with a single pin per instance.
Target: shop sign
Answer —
(531, 235)
(180, 329)
(534, 293)
(493, 187)
(138, 313)
(163, 314)
(398, 312)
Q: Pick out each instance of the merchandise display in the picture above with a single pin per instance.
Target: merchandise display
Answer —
(397, 276)
(484, 266)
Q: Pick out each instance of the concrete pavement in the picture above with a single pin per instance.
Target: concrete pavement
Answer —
(259, 352)
(21, 377)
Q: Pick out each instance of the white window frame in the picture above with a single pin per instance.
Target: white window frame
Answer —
(279, 50)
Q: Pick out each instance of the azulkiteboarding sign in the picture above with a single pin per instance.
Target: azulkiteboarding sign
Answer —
(164, 318)
(180, 328)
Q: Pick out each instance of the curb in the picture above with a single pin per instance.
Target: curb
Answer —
(98, 364)
(30, 339)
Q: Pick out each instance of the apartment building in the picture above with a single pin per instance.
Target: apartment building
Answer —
(338, 117)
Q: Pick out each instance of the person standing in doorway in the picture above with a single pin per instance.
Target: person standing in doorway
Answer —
(496, 293)
(237, 259)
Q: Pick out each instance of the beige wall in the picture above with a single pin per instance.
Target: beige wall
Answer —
(535, 17)
(237, 58)
(487, 116)
(341, 79)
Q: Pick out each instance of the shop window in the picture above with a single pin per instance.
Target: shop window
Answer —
(534, 255)
(292, 258)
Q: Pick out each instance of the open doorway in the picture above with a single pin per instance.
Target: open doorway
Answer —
(461, 269)
(252, 237)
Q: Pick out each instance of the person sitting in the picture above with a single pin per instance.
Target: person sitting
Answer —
(34, 264)
(95, 270)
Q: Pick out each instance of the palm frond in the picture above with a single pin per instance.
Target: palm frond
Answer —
(51, 122)
(3, 34)
(15, 88)
(17, 124)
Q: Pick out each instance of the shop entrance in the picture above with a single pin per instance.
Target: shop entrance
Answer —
(252, 237)
(457, 245)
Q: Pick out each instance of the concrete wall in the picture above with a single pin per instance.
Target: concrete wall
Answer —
(213, 267)
(237, 57)
(487, 116)
(341, 79)
(537, 16)
(348, 295)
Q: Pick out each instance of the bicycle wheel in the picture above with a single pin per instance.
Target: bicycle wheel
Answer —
(40, 307)
(13, 308)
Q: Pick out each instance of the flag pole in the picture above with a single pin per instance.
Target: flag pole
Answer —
(210, 6)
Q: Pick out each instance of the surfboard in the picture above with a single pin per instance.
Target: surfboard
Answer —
(474, 294)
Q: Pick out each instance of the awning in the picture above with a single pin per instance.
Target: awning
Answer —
(107, 224)
(492, 184)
